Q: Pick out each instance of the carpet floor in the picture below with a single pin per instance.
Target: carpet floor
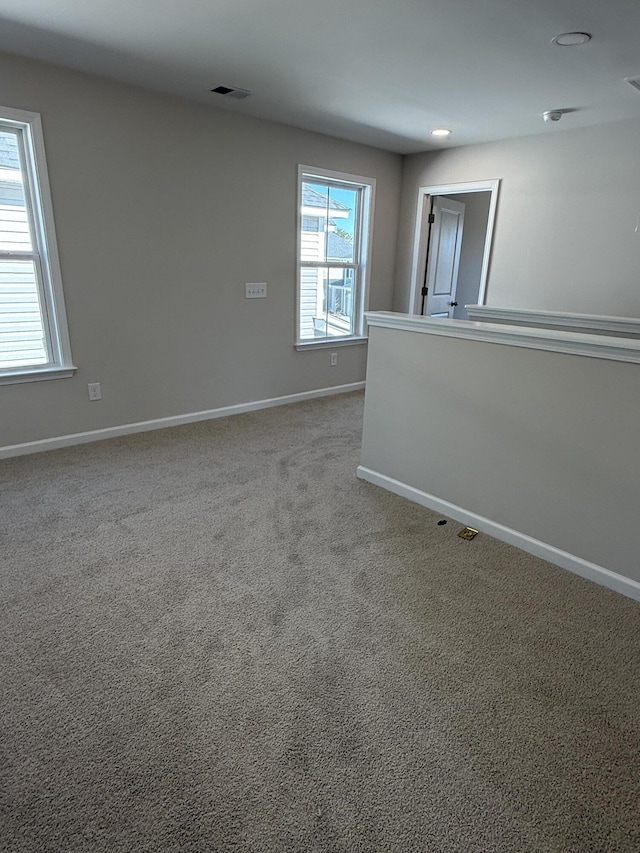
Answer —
(215, 638)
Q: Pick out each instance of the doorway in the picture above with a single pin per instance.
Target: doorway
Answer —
(452, 246)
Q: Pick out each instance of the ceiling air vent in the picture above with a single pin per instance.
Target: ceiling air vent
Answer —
(633, 81)
(231, 92)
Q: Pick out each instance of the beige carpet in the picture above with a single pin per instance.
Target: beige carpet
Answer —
(215, 638)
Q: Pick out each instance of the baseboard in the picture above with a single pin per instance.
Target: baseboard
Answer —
(174, 420)
(560, 558)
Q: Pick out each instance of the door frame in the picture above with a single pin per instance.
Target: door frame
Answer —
(420, 240)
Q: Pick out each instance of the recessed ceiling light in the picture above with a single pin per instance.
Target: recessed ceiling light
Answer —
(571, 39)
(441, 131)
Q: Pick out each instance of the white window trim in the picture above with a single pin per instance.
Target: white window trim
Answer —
(55, 319)
(321, 343)
(366, 240)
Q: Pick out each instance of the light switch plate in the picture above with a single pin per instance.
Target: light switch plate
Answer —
(255, 290)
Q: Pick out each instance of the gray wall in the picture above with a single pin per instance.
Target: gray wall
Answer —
(476, 214)
(541, 442)
(568, 207)
(163, 210)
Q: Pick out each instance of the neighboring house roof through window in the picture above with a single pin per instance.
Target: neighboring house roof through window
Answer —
(312, 198)
(338, 247)
(9, 157)
(11, 192)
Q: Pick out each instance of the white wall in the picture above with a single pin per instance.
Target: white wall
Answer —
(164, 208)
(543, 443)
(569, 203)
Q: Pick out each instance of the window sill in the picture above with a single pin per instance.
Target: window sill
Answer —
(37, 375)
(331, 343)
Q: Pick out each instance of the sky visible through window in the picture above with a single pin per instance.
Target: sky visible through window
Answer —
(346, 197)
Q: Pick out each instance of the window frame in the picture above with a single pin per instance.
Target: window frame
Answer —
(361, 265)
(44, 252)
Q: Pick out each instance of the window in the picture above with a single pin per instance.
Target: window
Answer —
(335, 215)
(34, 342)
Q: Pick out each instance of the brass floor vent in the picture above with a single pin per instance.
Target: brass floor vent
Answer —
(468, 533)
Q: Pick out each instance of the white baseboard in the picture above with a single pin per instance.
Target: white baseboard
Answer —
(574, 564)
(174, 420)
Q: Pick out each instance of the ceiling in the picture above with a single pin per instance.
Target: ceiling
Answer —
(382, 72)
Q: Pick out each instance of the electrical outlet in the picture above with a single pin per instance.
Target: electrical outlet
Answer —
(95, 391)
(255, 290)
(334, 359)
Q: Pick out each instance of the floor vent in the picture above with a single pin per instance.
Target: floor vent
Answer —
(633, 81)
(231, 92)
(468, 533)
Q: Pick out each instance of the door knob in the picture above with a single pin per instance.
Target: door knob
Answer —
(453, 304)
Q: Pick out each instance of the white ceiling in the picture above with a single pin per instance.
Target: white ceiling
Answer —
(382, 72)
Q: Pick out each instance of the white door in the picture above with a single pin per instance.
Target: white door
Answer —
(444, 257)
